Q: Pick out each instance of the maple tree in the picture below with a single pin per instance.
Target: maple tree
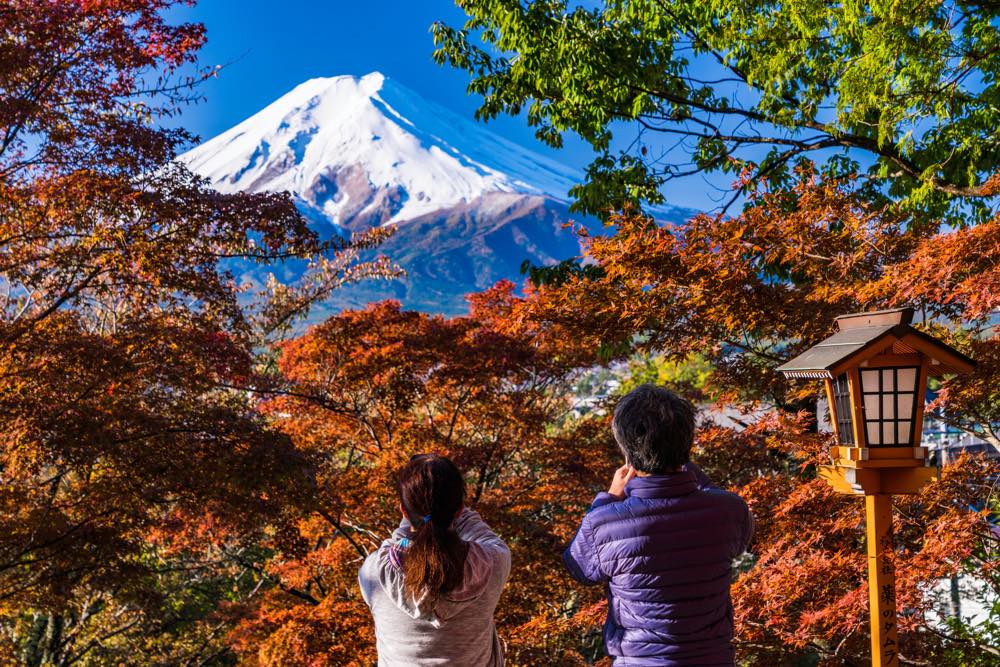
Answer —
(363, 391)
(719, 302)
(128, 464)
(867, 180)
(742, 294)
(180, 484)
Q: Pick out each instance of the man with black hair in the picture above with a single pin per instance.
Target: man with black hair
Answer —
(663, 540)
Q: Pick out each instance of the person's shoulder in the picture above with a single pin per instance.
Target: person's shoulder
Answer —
(727, 501)
(494, 548)
(497, 558)
(370, 576)
(611, 513)
(387, 557)
(372, 564)
(382, 569)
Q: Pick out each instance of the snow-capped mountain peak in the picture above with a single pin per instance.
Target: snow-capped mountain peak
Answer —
(367, 148)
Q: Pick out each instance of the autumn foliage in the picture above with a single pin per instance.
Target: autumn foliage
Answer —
(369, 388)
(743, 294)
(189, 477)
(746, 293)
(130, 464)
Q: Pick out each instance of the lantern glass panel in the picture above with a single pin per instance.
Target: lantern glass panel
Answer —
(842, 409)
(888, 380)
(871, 404)
(907, 379)
(870, 381)
(890, 396)
(888, 406)
(904, 404)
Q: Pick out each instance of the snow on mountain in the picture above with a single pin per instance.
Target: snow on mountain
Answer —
(369, 149)
(363, 151)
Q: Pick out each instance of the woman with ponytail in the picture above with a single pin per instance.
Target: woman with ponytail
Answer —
(433, 586)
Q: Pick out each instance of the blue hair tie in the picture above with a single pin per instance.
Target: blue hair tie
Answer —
(427, 519)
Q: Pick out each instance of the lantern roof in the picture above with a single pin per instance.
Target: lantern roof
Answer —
(864, 335)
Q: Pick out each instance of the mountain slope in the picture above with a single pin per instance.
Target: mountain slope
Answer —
(335, 141)
(467, 248)
(469, 206)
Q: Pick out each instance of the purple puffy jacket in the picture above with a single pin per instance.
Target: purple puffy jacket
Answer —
(665, 553)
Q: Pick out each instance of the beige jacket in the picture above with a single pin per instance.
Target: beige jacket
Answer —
(458, 629)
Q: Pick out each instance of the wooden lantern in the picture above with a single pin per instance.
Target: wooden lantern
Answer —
(876, 369)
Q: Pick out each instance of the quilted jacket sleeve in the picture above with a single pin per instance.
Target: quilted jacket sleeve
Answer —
(581, 557)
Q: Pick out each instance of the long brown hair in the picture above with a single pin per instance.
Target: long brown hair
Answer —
(432, 492)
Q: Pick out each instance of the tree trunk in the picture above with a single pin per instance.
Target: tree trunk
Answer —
(955, 603)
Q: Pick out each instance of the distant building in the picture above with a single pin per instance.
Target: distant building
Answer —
(946, 442)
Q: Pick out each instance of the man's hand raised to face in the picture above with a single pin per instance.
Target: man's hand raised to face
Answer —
(621, 478)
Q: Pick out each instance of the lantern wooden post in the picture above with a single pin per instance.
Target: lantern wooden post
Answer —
(872, 456)
(881, 581)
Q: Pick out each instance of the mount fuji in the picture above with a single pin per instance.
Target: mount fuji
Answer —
(355, 152)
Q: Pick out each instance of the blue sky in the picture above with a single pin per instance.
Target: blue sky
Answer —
(268, 48)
